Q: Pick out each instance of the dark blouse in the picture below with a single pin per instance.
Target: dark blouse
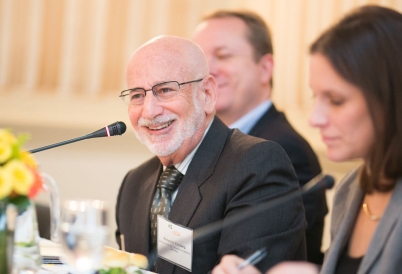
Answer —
(347, 264)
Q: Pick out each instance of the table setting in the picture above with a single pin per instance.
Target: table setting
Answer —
(113, 261)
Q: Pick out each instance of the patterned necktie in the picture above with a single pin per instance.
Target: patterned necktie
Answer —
(168, 183)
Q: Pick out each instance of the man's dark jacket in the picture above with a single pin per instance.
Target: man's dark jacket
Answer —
(274, 126)
(231, 172)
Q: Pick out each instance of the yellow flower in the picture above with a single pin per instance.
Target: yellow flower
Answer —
(27, 158)
(21, 177)
(6, 185)
(5, 151)
(7, 137)
(7, 141)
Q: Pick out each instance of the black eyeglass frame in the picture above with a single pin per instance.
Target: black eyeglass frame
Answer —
(152, 88)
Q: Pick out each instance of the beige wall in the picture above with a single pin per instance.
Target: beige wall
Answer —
(77, 50)
(62, 65)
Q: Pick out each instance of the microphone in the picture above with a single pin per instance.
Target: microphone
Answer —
(117, 128)
(319, 182)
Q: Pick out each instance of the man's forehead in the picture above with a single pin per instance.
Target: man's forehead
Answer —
(155, 72)
(166, 59)
(154, 58)
(226, 24)
(219, 33)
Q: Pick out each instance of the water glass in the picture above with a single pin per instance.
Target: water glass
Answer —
(83, 234)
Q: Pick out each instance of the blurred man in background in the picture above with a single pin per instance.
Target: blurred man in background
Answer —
(240, 56)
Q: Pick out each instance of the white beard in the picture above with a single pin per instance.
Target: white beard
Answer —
(183, 130)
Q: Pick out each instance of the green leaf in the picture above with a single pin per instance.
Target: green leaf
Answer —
(23, 138)
(117, 270)
(21, 202)
(3, 203)
(114, 270)
(25, 244)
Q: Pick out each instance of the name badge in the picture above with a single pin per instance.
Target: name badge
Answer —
(175, 243)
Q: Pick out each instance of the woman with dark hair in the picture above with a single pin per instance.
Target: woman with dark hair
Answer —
(356, 78)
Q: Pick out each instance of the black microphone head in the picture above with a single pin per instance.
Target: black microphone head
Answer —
(117, 128)
(319, 182)
(328, 181)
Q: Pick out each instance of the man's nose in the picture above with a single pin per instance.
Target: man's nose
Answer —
(151, 106)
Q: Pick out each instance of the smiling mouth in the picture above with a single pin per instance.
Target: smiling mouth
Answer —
(162, 126)
(329, 140)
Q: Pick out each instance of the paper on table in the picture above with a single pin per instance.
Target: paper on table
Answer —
(49, 248)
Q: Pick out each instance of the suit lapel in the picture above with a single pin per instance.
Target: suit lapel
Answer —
(264, 122)
(201, 168)
(389, 218)
(147, 190)
(344, 222)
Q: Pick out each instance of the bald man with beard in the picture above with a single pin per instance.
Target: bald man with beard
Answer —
(171, 101)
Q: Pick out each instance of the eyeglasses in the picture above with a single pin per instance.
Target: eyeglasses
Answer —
(162, 91)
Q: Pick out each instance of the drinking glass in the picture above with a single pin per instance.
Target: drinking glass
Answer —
(84, 233)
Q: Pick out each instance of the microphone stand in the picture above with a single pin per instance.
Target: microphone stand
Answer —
(117, 128)
(59, 144)
(314, 184)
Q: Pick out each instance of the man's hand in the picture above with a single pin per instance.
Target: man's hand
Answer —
(229, 264)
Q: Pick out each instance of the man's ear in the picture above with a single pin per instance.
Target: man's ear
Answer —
(266, 65)
(210, 89)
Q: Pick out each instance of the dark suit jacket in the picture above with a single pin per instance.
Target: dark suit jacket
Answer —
(384, 254)
(274, 126)
(229, 173)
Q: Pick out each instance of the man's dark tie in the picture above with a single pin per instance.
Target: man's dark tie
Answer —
(168, 183)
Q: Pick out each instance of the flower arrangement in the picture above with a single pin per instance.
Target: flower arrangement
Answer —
(19, 175)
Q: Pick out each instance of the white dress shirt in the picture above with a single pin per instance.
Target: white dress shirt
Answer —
(248, 121)
(183, 165)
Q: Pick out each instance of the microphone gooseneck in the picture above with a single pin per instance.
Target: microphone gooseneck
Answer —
(117, 128)
(318, 182)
